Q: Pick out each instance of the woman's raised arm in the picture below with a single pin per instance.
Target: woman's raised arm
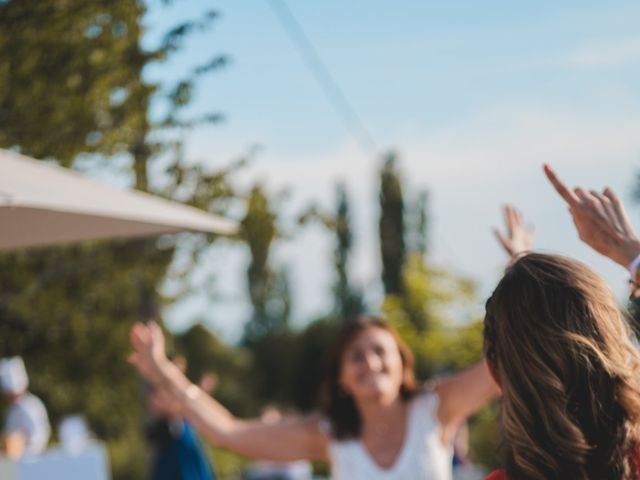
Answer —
(462, 394)
(466, 392)
(289, 439)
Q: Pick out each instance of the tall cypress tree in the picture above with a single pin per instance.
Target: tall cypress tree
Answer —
(268, 289)
(391, 227)
(347, 299)
(421, 224)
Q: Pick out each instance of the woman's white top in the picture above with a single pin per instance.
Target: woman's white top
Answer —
(422, 457)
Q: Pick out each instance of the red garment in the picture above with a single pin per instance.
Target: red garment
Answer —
(634, 457)
(496, 475)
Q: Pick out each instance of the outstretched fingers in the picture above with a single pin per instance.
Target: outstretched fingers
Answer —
(139, 336)
(517, 238)
(509, 219)
(619, 211)
(601, 220)
(502, 240)
(609, 211)
(568, 196)
(597, 210)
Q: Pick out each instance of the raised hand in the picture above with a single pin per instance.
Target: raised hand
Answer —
(518, 238)
(148, 354)
(600, 219)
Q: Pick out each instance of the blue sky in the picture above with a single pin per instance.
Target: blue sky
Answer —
(474, 96)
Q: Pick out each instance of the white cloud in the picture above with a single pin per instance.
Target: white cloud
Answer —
(471, 168)
(604, 54)
(474, 167)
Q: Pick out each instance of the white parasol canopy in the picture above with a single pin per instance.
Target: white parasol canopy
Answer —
(45, 204)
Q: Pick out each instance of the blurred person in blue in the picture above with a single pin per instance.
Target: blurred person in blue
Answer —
(26, 428)
(178, 453)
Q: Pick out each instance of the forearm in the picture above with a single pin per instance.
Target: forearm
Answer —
(463, 394)
(478, 388)
(280, 442)
(287, 440)
(212, 419)
(482, 384)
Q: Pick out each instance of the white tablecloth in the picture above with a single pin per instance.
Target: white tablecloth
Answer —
(58, 464)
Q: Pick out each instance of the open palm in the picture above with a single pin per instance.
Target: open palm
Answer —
(148, 354)
(518, 238)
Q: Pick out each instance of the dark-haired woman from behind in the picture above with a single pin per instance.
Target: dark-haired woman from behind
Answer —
(563, 353)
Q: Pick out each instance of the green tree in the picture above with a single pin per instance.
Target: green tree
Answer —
(268, 289)
(348, 300)
(72, 90)
(275, 358)
(425, 308)
(391, 227)
(314, 344)
(68, 312)
(419, 225)
(70, 79)
(206, 353)
(415, 290)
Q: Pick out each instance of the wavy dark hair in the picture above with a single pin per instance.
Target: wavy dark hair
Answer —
(337, 405)
(563, 353)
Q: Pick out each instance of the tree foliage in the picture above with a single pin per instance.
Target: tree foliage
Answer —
(206, 353)
(268, 289)
(392, 227)
(423, 314)
(72, 90)
(348, 300)
(418, 234)
(58, 311)
(70, 76)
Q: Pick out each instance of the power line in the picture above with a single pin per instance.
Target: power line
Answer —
(330, 86)
(323, 76)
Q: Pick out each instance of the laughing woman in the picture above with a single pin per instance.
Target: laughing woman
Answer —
(375, 422)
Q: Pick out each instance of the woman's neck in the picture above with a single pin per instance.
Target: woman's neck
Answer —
(381, 415)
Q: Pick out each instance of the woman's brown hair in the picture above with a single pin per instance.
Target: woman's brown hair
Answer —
(338, 406)
(562, 350)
